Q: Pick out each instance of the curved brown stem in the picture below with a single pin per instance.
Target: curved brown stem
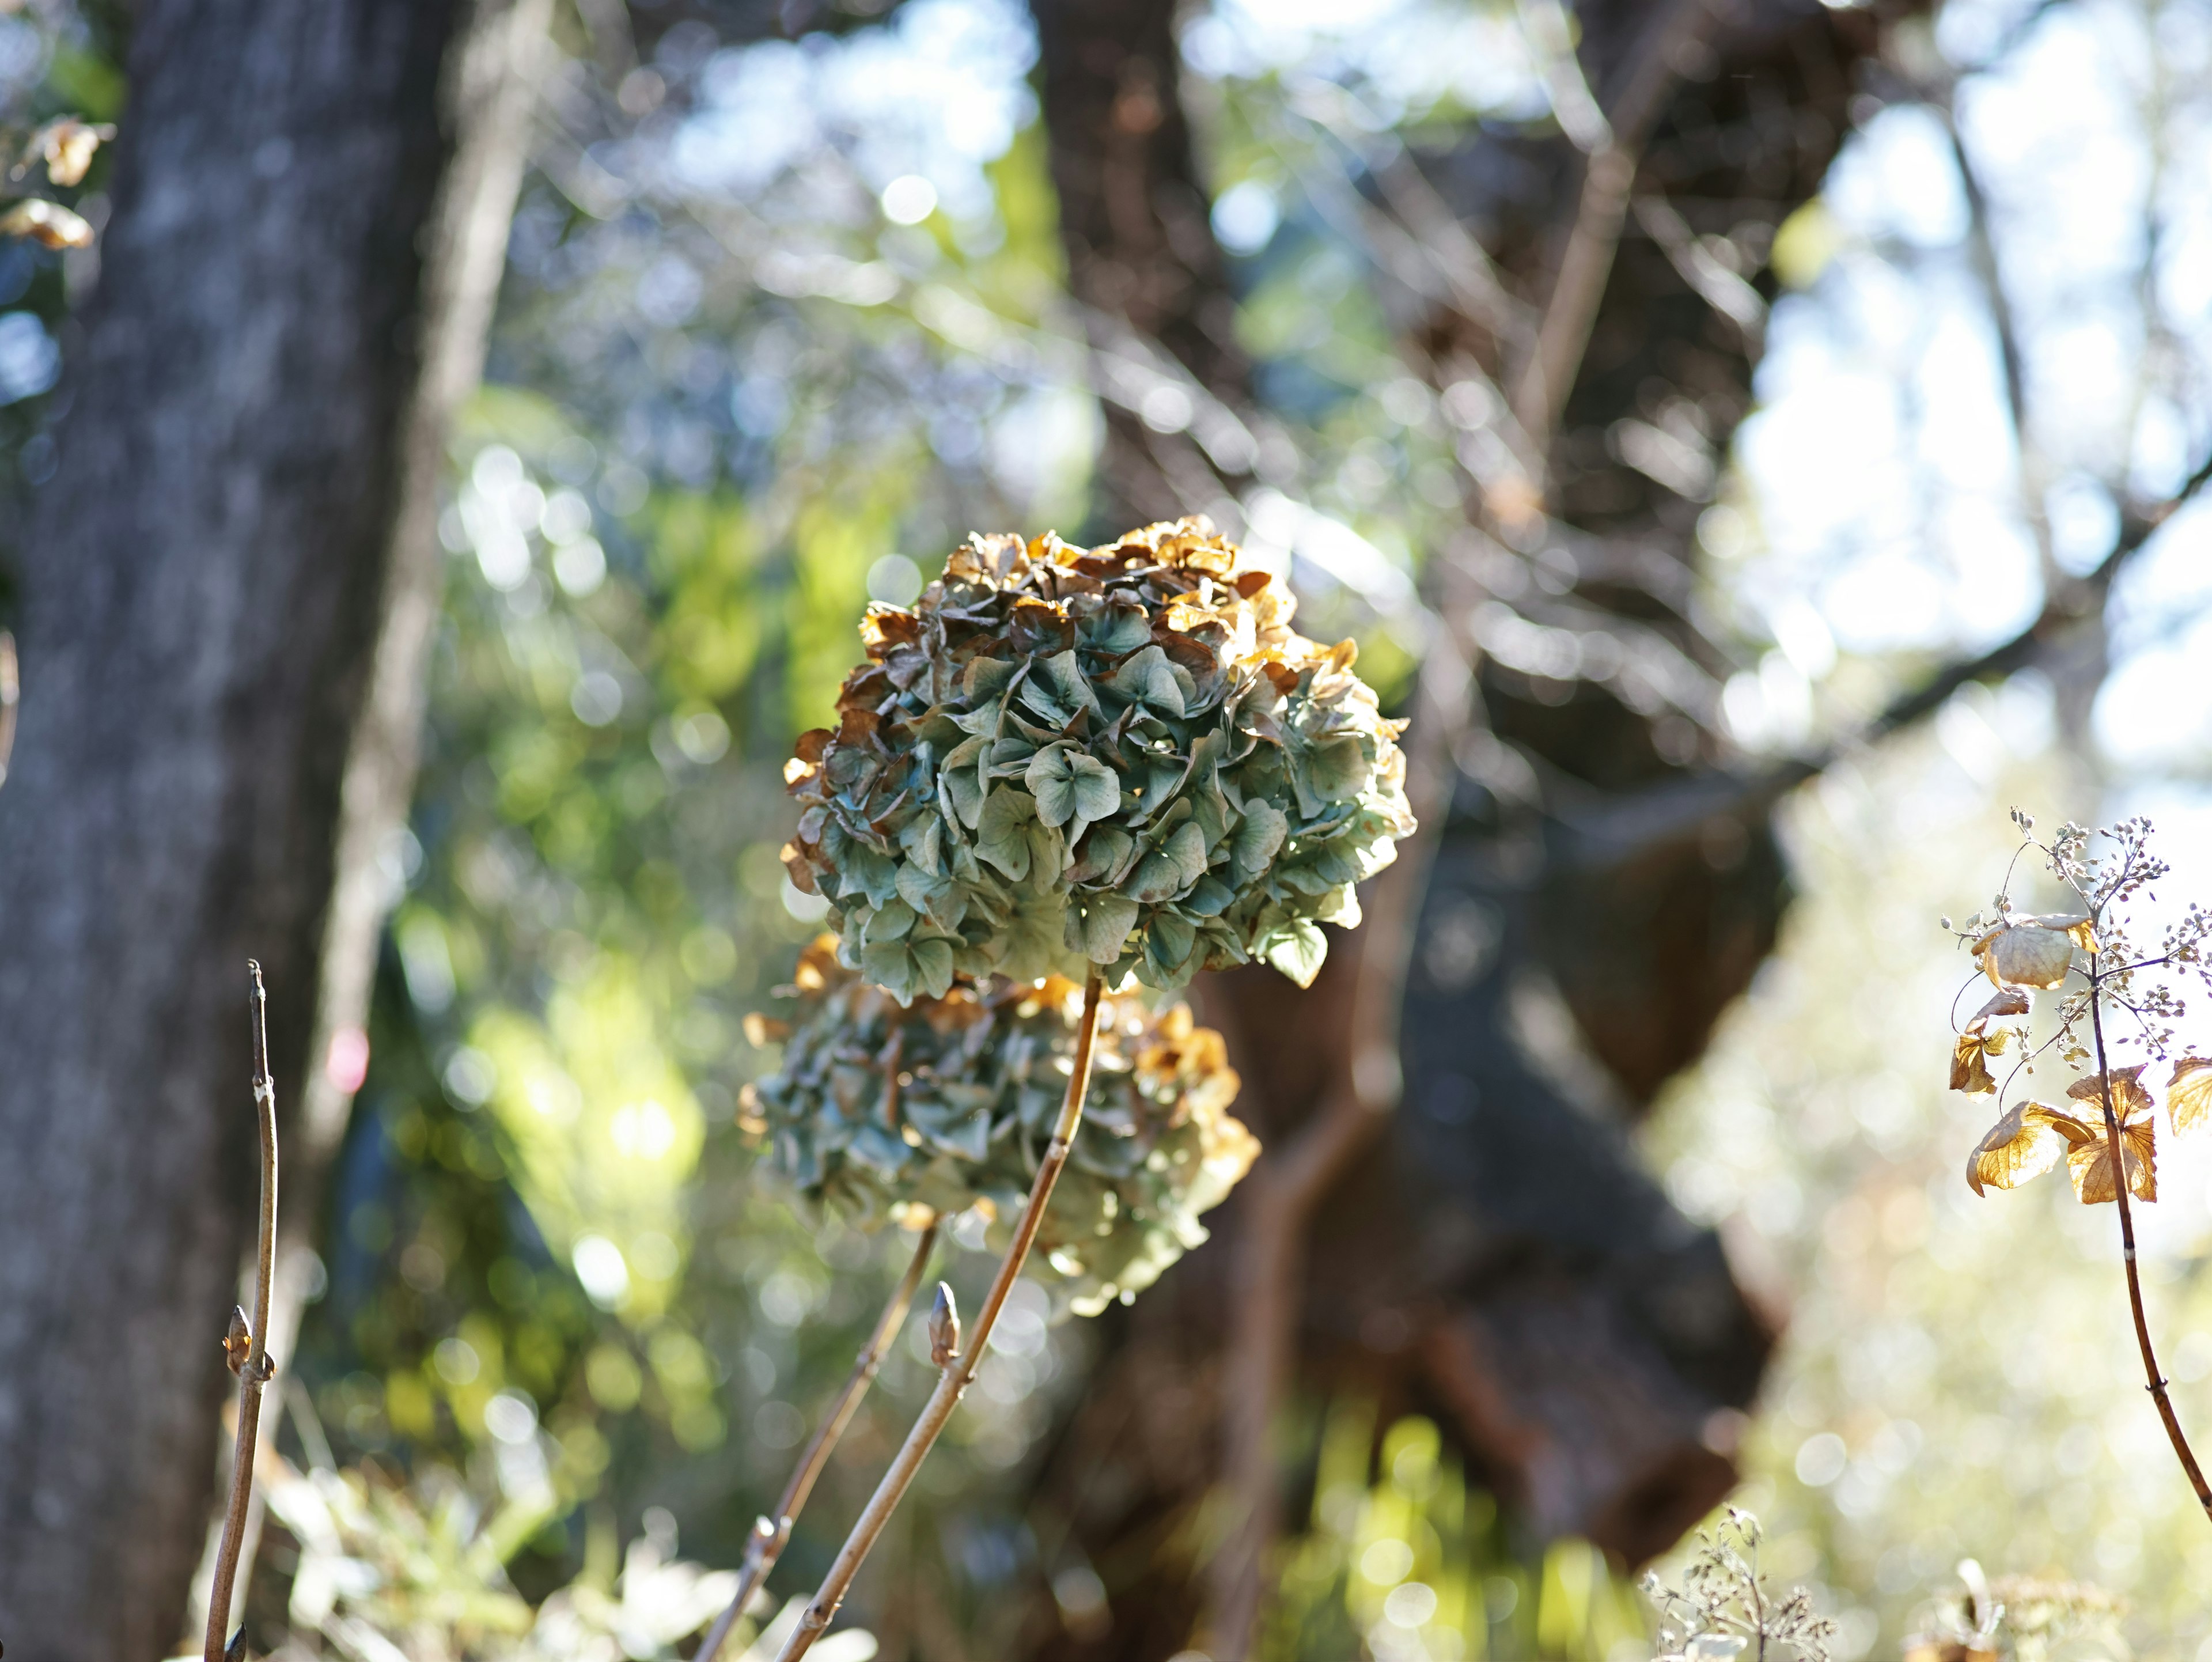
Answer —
(771, 1536)
(254, 1368)
(959, 1371)
(2157, 1386)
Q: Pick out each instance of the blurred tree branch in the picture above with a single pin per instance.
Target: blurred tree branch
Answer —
(1613, 150)
(1623, 831)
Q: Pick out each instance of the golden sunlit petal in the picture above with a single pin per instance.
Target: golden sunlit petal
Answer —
(2130, 1099)
(1969, 1071)
(2090, 1165)
(2189, 1095)
(2009, 1001)
(2019, 1146)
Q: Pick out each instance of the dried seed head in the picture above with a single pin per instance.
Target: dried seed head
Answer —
(942, 1128)
(1122, 758)
(944, 1327)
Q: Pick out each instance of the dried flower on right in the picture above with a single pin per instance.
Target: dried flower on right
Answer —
(2110, 1014)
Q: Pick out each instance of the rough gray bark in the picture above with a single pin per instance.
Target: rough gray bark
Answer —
(210, 585)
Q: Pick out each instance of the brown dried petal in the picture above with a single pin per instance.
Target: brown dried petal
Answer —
(2022, 955)
(2189, 1095)
(1969, 1072)
(46, 223)
(2021, 1145)
(2007, 1002)
(2090, 1165)
(2130, 1099)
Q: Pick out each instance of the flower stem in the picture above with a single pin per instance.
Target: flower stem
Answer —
(254, 1373)
(960, 1371)
(771, 1536)
(2128, 1249)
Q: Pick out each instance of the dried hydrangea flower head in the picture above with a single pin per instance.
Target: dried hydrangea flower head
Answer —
(877, 1110)
(1121, 757)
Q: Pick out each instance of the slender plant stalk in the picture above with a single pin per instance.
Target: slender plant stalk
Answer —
(10, 694)
(959, 1371)
(769, 1537)
(2157, 1379)
(254, 1370)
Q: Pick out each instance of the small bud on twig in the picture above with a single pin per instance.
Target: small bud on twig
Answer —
(944, 1327)
(237, 1343)
(758, 1540)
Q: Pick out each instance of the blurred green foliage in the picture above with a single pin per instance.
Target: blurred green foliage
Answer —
(560, 1317)
(1403, 1555)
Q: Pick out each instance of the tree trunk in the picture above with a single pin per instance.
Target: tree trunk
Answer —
(1134, 220)
(226, 591)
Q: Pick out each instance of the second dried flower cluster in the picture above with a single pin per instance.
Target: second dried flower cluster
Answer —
(880, 1111)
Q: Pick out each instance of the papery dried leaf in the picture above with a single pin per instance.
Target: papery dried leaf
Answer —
(2091, 1167)
(2189, 1095)
(2007, 1002)
(817, 964)
(2025, 955)
(2079, 927)
(46, 223)
(1969, 1071)
(2021, 1145)
(2130, 1099)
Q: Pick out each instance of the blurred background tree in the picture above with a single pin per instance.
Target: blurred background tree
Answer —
(1729, 383)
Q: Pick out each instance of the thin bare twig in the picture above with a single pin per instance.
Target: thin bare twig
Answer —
(958, 1369)
(1716, 284)
(1586, 262)
(10, 694)
(1633, 826)
(769, 1537)
(248, 1345)
(2157, 1380)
